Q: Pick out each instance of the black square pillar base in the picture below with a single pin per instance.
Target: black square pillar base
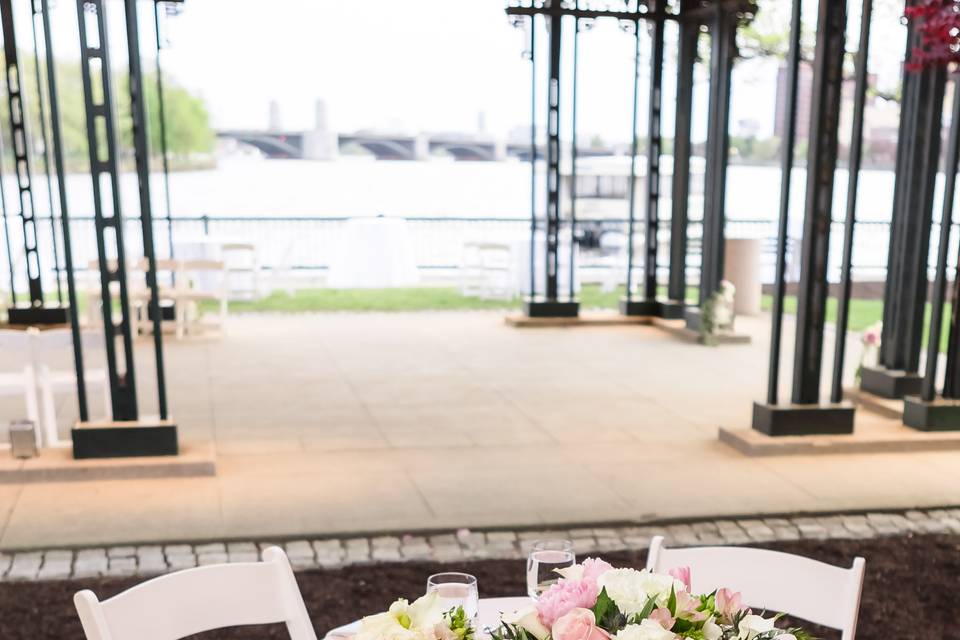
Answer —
(673, 309)
(540, 308)
(168, 312)
(803, 419)
(125, 439)
(639, 307)
(890, 383)
(37, 315)
(940, 414)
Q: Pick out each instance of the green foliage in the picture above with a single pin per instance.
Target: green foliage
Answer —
(607, 614)
(459, 624)
(510, 632)
(187, 120)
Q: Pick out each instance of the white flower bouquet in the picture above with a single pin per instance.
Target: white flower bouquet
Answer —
(595, 601)
(424, 619)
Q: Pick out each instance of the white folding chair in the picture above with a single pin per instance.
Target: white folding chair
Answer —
(18, 345)
(188, 602)
(52, 381)
(771, 580)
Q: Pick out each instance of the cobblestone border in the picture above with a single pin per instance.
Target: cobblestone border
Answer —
(148, 560)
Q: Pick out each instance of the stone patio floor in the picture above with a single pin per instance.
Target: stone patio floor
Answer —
(339, 424)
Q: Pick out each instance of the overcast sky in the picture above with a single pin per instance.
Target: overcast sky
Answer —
(417, 64)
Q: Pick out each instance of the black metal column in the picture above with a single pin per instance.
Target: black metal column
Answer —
(6, 236)
(648, 305)
(44, 138)
(142, 159)
(162, 117)
(37, 312)
(132, 437)
(628, 301)
(783, 225)
(926, 412)
(58, 164)
(853, 178)
(551, 305)
(722, 51)
(686, 61)
(806, 415)
(905, 293)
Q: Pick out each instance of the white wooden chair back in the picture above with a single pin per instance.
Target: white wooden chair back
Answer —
(60, 339)
(771, 580)
(188, 602)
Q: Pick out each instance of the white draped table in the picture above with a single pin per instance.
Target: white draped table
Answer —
(488, 615)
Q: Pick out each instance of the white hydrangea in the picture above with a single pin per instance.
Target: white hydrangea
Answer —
(646, 630)
(630, 589)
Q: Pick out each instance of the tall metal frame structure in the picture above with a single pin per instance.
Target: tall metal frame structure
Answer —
(805, 414)
(38, 311)
(127, 434)
(905, 291)
(723, 16)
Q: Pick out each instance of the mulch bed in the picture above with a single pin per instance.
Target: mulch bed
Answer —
(911, 590)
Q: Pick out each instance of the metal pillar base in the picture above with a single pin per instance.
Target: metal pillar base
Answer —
(693, 316)
(125, 439)
(540, 308)
(37, 315)
(168, 313)
(890, 383)
(940, 414)
(803, 419)
(673, 310)
(639, 307)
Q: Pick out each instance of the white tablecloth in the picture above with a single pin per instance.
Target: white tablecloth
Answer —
(488, 615)
(375, 253)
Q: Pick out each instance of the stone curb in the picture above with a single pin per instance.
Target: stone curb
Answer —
(463, 544)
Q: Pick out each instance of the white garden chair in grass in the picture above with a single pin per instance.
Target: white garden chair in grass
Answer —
(771, 580)
(188, 602)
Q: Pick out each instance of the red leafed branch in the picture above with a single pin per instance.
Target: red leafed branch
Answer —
(937, 23)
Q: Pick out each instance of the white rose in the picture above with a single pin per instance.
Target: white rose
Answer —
(752, 625)
(711, 630)
(529, 620)
(646, 630)
(630, 589)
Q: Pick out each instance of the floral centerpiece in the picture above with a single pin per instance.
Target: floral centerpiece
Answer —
(424, 619)
(595, 601)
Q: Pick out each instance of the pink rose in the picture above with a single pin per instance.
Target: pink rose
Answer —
(593, 568)
(682, 574)
(578, 624)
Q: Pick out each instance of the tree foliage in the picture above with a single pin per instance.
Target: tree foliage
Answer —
(187, 120)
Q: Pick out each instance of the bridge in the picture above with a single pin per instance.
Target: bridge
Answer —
(322, 145)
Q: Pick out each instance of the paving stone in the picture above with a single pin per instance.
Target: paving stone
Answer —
(578, 533)
(89, 566)
(25, 566)
(243, 556)
(681, 535)
(121, 552)
(122, 566)
(88, 554)
(777, 522)
(541, 535)
(242, 547)
(56, 570)
(472, 540)
(812, 530)
(953, 524)
(177, 550)
(209, 548)
(358, 544)
(5, 562)
(390, 542)
(637, 542)
(299, 549)
(419, 551)
(387, 554)
(215, 557)
(444, 539)
(760, 532)
(329, 552)
(151, 565)
(447, 553)
(786, 533)
(704, 527)
(499, 536)
(725, 526)
(181, 561)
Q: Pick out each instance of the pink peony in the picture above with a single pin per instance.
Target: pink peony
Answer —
(565, 596)
(593, 568)
(578, 624)
(682, 574)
